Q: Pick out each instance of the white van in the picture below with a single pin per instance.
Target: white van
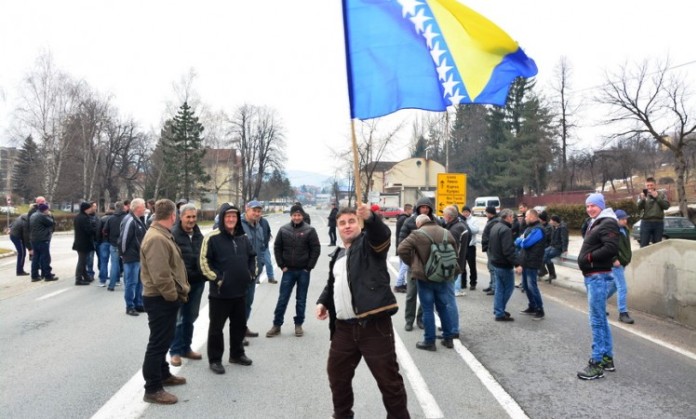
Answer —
(481, 202)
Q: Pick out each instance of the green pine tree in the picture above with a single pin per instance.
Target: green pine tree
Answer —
(27, 174)
(182, 144)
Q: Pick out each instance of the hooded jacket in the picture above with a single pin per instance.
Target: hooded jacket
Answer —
(410, 223)
(41, 227)
(559, 237)
(228, 259)
(601, 244)
(414, 250)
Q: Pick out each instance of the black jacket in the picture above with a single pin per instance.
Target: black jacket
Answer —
(532, 246)
(332, 217)
(228, 259)
(190, 251)
(368, 276)
(501, 248)
(410, 223)
(297, 246)
(19, 228)
(84, 233)
(559, 237)
(601, 245)
(132, 234)
(485, 237)
(41, 227)
(112, 229)
(460, 231)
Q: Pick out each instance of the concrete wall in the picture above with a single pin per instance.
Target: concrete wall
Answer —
(661, 280)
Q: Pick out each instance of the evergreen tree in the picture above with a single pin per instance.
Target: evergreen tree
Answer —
(27, 174)
(184, 175)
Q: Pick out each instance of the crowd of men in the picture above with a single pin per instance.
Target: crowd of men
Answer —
(165, 261)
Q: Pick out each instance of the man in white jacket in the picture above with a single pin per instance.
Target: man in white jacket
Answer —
(473, 224)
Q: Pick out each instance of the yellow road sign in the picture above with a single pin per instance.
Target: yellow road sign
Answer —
(451, 190)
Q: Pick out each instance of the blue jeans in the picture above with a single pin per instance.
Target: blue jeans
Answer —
(290, 278)
(104, 252)
(457, 283)
(41, 259)
(491, 273)
(504, 285)
(403, 271)
(115, 266)
(133, 287)
(434, 295)
(597, 290)
(21, 253)
(529, 279)
(452, 309)
(188, 313)
(269, 264)
(89, 264)
(550, 253)
(619, 284)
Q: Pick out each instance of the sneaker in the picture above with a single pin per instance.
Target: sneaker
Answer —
(242, 360)
(132, 312)
(102, 284)
(592, 371)
(217, 368)
(118, 283)
(486, 289)
(529, 310)
(173, 380)
(110, 288)
(298, 330)
(460, 294)
(275, 331)
(272, 281)
(625, 318)
(448, 343)
(160, 397)
(426, 346)
(607, 363)
(539, 315)
(505, 319)
(81, 282)
(491, 292)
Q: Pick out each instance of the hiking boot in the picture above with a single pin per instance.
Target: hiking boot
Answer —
(426, 346)
(275, 331)
(175, 360)
(242, 360)
(173, 380)
(160, 397)
(592, 371)
(298, 330)
(217, 368)
(625, 318)
(607, 363)
(529, 310)
(448, 343)
(539, 315)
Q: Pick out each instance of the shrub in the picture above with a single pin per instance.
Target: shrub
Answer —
(574, 214)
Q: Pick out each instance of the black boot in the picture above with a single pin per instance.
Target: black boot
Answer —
(552, 272)
(542, 271)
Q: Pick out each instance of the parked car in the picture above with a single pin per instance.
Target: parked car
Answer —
(481, 202)
(389, 212)
(675, 228)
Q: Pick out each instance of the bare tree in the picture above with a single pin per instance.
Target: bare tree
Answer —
(650, 99)
(566, 111)
(260, 137)
(48, 97)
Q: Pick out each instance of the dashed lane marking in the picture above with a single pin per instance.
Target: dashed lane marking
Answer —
(52, 294)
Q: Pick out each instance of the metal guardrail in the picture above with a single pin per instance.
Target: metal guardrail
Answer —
(568, 261)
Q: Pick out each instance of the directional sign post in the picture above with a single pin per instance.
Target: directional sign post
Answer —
(451, 190)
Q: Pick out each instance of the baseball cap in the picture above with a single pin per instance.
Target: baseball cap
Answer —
(254, 204)
(621, 214)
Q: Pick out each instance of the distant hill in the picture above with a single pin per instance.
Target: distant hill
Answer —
(302, 177)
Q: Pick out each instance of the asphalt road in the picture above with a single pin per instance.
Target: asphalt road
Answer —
(72, 351)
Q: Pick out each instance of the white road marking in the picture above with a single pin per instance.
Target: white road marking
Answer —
(425, 398)
(504, 399)
(619, 325)
(53, 294)
(128, 400)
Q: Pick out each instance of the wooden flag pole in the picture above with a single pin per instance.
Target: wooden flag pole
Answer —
(356, 166)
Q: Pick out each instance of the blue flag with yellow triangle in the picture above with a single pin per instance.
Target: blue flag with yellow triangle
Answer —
(426, 54)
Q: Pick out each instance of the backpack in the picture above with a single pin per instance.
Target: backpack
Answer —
(441, 265)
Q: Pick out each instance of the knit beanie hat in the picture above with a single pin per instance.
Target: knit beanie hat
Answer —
(596, 199)
(42, 207)
(296, 208)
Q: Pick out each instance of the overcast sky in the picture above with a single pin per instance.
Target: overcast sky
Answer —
(289, 55)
